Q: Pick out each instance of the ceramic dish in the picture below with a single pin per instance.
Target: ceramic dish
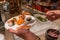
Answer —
(16, 23)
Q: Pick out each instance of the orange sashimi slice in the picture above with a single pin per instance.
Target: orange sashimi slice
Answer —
(20, 21)
(25, 13)
(24, 27)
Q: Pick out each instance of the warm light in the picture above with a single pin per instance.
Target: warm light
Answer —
(2, 1)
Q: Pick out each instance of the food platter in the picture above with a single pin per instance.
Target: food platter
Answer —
(17, 24)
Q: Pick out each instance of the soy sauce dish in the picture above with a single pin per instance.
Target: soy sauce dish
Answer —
(52, 34)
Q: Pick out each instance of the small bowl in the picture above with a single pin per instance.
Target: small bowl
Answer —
(52, 34)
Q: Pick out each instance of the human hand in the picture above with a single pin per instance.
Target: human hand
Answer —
(25, 34)
(53, 15)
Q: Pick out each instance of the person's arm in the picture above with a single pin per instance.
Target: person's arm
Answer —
(53, 15)
(25, 34)
(31, 36)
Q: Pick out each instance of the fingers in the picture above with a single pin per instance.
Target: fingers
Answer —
(23, 31)
(51, 15)
(18, 31)
(13, 31)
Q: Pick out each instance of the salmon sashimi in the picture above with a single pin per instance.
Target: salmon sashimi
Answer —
(20, 21)
(24, 27)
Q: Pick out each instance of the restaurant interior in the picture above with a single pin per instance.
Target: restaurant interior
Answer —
(37, 9)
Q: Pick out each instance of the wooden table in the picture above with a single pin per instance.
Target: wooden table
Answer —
(58, 23)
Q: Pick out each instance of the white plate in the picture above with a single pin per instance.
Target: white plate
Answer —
(1, 37)
(15, 26)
